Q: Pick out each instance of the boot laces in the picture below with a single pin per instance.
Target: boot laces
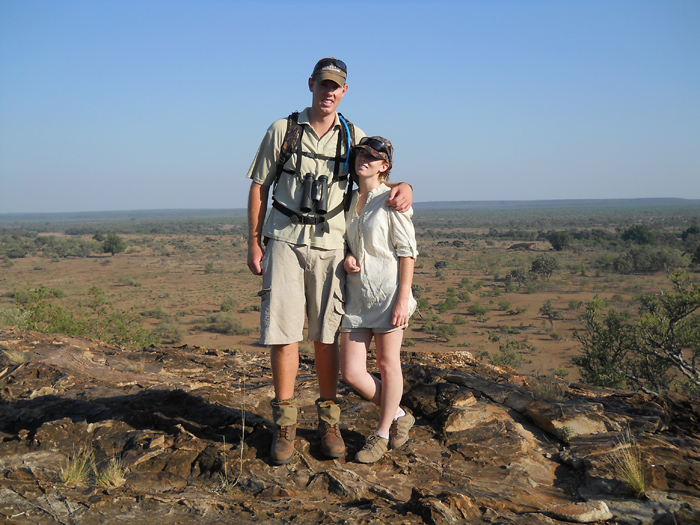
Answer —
(327, 428)
(284, 432)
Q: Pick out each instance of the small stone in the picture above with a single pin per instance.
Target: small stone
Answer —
(588, 512)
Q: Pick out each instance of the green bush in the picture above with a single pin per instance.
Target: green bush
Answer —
(508, 355)
(445, 331)
(477, 309)
(650, 352)
(227, 323)
(417, 290)
(229, 303)
(128, 280)
(170, 330)
(95, 317)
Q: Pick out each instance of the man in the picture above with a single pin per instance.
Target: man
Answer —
(302, 265)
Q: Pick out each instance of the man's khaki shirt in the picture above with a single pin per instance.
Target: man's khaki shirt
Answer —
(289, 188)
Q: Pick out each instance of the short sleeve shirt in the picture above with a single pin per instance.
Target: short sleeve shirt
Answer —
(289, 187)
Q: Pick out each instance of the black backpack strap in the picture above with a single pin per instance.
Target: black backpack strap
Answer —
(349, 159)
(292, 140)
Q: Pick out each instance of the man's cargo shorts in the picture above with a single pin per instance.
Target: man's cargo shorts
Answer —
(300, 280)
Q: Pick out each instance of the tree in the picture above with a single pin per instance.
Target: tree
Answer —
(113, 244)
(559, 240)
(550, 312)
(519, 274)
(650, 353)
(638, 234)
(545, 265)
(606, 341)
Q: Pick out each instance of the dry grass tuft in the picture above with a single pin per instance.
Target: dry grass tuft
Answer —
(16, 357)
(626, 462)
(78, 468)
(226, 483)
(113, 476)
(549, 388)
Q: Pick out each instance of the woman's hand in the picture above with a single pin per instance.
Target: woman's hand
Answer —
(399, 314)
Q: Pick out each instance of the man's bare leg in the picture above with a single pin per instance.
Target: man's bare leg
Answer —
(327, 369)
(285, 363)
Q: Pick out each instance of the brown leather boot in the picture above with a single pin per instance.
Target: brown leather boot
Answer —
(282, 450)
(332, 444)
(284, 415)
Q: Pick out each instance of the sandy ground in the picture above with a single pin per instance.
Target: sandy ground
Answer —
(188, 278)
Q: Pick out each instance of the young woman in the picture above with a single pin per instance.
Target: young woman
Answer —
(379, 266)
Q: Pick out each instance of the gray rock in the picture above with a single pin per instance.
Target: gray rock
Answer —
(192, 430)
(588, 512)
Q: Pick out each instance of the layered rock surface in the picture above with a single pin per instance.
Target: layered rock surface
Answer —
(191, 427)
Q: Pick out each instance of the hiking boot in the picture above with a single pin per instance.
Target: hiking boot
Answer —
(282, 450)
(284, 415)
(332, 444)
(374, 449)
(398, 433)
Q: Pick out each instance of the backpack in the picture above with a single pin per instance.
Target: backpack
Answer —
(292, 141)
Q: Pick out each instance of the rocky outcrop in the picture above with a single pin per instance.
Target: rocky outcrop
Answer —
(523, 246)
(191, 429)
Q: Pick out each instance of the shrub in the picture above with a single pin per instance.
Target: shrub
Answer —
(508, 355)
(548, 311)
(445, 331)
(548, 388)
(128, 280)
(650, 352)
(638, 234)
(448, 304)
(170, 330)
(227, 323)
(417, 290)
(477, 309)
(93, 318)
(646, 259)
(229, 303)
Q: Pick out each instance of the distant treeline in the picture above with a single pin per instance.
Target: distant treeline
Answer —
(638, 235)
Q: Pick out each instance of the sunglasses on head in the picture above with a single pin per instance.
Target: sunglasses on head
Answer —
(332, 62)
(376, 145)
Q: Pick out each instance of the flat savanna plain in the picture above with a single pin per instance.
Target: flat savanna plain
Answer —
(180, 282)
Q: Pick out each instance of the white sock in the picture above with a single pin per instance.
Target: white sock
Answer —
(400, 413)
(381, 435)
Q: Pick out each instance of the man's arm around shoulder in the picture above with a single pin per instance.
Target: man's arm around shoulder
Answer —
(401, 196)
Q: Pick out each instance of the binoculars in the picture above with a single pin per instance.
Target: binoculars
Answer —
(314, 194)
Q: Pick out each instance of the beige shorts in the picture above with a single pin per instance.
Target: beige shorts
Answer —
(301, 281)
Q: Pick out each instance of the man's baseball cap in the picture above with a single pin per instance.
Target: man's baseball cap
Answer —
(330, 69)
(378, 147)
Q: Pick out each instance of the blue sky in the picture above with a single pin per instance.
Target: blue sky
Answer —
(154, 104)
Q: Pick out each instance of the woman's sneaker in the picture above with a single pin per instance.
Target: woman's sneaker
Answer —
(374, 449)
(398, 433)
